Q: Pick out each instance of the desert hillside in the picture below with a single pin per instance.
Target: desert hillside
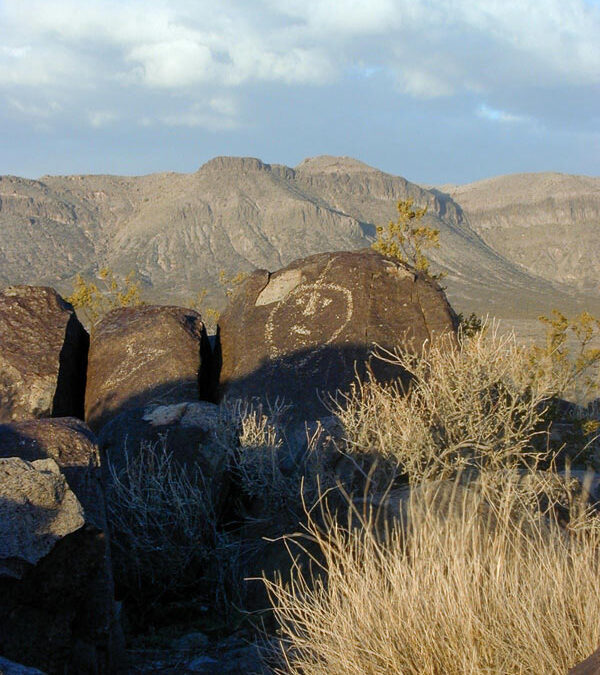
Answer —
(546, 222)
(237, 214)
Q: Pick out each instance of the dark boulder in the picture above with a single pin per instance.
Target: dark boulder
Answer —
(10, 668)
(143, 355)
(186, 431)
(591, 665)
(305, 331)
(62, 612)
(37, 510)
(43, 355)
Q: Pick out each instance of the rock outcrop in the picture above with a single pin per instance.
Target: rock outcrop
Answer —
(546, 222)
(305, 331)
(43, 355)
(591, 665)
(11, 668)
(37, 510)
(143, 355)
(58, 592)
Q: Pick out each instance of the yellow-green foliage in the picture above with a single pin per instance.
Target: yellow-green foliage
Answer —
(571, 353)
(210, 315)
(407, 239)
(94, 300)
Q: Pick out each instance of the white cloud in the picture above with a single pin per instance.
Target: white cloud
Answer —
(101, 118)
(174, 64)
(36, 111)
(188, 48)
(15, 52)
(218, 114)
(486, 112)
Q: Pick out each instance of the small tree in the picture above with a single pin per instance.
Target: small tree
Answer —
(407, 239)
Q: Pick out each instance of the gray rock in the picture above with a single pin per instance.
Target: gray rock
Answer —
(72, 445)
(143, 355)
(43, 354)
(191, 642)
(203, 664)
(37, 509)
(62, 611)
(10, 668)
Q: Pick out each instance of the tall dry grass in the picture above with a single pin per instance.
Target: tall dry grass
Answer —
(486, 585)
(485, 564)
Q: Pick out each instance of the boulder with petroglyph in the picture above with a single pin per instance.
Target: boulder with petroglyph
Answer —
(144, 355)
(304, 332)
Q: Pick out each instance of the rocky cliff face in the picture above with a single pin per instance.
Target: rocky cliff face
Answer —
(238, 214)
(548, 223)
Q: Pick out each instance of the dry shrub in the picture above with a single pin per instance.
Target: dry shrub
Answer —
(270, 466)
(162, 520)
(490, 585)
(258, 459)
(478, 402)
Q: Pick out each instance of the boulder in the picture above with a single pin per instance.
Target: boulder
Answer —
(10, 668)
(43, 355)
(143, 355)
(591, 665)
(184, 430)
(72, 445)
(63, 614)
(306, 331)
(37, 509)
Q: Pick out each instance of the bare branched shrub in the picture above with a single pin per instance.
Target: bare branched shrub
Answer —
(478, 403)
(489, 584)
(162, 519)
(269, 466)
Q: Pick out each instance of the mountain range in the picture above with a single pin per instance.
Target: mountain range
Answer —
(513, 246)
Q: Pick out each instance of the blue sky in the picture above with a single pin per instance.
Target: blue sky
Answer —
(435, 90)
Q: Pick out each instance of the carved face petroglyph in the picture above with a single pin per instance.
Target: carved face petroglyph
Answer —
(308, 319)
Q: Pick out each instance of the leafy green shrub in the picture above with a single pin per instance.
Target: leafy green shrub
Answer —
(407, 239)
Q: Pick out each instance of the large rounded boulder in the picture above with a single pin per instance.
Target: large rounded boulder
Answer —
(56, 582)
(308, 330)
(43, 355)
(143, 355)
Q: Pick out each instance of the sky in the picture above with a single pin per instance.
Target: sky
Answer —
(438, 91)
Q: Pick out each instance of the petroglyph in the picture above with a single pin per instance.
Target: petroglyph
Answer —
(310, 317)
(126, 369)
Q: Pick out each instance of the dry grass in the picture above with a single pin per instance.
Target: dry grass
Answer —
(162, 520)
(486, 566)
(486, 586)
(479, 403)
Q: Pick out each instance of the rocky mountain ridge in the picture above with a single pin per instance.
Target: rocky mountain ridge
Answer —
(238, 214)
(547, 222)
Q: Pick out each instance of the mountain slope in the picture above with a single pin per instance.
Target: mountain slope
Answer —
(549, 223)
(179, 230)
